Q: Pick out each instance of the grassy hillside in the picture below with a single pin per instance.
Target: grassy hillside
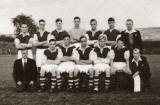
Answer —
(151, 34)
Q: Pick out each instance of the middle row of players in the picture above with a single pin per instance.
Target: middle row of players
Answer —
(66, 58)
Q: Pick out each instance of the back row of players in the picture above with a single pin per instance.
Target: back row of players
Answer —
(80, 51)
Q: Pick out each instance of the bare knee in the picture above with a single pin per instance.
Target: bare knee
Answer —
(91, 72)
(76, 72)
(53, 72)
(96, 72)
(70, 73)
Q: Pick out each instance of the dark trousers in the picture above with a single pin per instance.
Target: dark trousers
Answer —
(145, 80)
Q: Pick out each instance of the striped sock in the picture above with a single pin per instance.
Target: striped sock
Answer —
(42, 81)
(96, 80)
(107, 82)
(59, 83)
(70, 82)
(76, 82)
(90, 82)
(53, 82)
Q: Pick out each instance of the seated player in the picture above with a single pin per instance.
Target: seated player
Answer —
(24, 73)
(121, 59)
(102, 56)
(140, 71)
(120, 70)
(84, 62)
(67, 64)
(50, 66)
(41, 40)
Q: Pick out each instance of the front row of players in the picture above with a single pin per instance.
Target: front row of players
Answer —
(66, 59)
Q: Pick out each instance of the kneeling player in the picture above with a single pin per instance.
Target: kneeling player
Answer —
(84, 62)
(140, 71)
(50, 66)
(102, 57)
(67, 64)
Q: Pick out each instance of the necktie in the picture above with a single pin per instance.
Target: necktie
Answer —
(25, 64)
(131, 40)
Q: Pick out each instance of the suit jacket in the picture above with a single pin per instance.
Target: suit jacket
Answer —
(143, 67)
(137, 41)
(29, 74)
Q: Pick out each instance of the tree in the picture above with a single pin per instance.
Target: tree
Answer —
(21, 19)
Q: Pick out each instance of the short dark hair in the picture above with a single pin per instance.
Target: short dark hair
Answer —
(93, 20)
(82, 37)
(54, 40)
(77, 18)
(129, 20)
(66, 35)
(111, 19)
(120, 39)
(42, 20)
(58, 19)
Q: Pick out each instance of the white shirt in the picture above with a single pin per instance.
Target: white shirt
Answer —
(49, 37)
(41, 32)
(59, 56)
(83, 50)
(23, 61)
(130, 32)
(126, 54)
(110, 55)
(74, 52)
(76, 33)
(136, 61)
(17, 41)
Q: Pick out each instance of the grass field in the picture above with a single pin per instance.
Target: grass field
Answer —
(8, 96)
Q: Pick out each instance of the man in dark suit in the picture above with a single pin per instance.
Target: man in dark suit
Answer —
(131, 37)
(25, 73)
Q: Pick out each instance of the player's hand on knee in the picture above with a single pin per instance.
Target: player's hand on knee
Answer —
(129, 71)
(19, 83)
(135, 74)
(31, 82)
(95, 44)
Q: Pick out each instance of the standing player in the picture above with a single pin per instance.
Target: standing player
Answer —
(59, 33)
(112, 33)
(24, 41)
(67, 64)
(76, 32)
(93, 34)
(41, 39)
(84, 62)
(102, 56)
(132, 37)
(50, 65)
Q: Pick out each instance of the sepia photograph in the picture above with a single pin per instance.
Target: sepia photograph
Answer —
(79, 52)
